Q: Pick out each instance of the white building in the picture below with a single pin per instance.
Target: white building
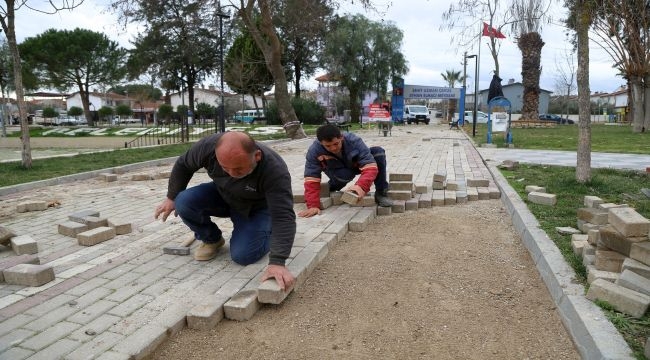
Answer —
(210, 96)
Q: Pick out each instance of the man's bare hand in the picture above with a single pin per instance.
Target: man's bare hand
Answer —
(309, 212)
(164, 209)
(281, 274)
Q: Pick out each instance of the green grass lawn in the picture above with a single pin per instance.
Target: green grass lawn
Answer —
(12, 173)
(604, 138)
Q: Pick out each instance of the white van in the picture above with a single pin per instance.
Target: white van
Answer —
(416, 114)
(481, 117)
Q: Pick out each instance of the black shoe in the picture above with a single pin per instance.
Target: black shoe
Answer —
(382, 199)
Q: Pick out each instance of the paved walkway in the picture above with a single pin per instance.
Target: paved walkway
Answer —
(566, 158)
(121, 298)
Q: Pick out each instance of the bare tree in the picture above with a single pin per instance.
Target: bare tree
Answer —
(469, 15)
(565, 76)
(267, 40)
(623, 30)
(7, 20)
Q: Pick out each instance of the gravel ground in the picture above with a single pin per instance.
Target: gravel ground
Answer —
(449, 282)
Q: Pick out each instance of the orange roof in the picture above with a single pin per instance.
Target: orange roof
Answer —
(328, 77)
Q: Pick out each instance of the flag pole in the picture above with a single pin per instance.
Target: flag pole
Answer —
(476, 97)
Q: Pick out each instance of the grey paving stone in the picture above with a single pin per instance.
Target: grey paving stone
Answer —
(143, 342)
(95, 346)
(15, 337)
(15, 353)
(49, 336)
(97, 326)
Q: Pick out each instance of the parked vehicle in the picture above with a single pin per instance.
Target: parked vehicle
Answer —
(481, 117)
(66, 120)
(118, 120)
(556, 118)
(416, 114)
(248, 116)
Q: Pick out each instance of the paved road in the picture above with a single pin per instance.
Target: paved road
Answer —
(120, 298)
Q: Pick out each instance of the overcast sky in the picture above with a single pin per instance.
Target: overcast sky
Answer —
(427, 49)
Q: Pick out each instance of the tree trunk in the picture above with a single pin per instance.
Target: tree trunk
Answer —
(272, 50)
(10, 31)
(85, 104)
(637, 108)
(583, 165)
(530, 45)
(646, 103)
(355, 114)
(298, 75)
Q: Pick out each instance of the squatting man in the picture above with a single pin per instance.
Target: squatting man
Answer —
(342, 157)
(251, 185)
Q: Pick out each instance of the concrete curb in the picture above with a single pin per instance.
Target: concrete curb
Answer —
(594, 336)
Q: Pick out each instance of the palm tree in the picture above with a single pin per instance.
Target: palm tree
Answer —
(528, 14)
(452, 77)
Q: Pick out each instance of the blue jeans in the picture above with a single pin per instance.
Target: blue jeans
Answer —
(251, 236)
(340, 178)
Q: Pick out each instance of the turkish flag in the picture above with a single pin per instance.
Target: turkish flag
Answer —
(492, 32)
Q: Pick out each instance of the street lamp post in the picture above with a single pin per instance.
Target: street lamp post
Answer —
(475, 90)
(222, 112)
(461, 106)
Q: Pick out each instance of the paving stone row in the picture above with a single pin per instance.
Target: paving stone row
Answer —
(120, 298)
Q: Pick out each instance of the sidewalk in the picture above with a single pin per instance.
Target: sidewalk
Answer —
(121, 298)
(566, 158)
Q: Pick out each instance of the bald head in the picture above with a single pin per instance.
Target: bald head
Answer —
(237, 154)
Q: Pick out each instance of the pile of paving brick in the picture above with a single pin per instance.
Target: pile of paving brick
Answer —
(613, 243)
(25, 268)
(408, 196)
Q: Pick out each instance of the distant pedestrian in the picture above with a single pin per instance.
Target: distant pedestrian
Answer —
(495, 89)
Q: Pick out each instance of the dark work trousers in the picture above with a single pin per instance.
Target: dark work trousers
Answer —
(341, 177)
(251, 236)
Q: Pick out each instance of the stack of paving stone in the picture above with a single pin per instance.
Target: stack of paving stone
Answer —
(615, 249)
(91, 229)
(449, 192)
(24, 268)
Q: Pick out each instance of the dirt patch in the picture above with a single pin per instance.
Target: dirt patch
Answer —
(446, 283)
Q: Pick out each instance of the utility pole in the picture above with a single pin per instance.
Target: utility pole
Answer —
(461, 112)
(222, 112)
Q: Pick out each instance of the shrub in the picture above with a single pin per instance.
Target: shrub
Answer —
(75, 111)
(49, 112)
(123, 110)
(308, 111)
(165, 112)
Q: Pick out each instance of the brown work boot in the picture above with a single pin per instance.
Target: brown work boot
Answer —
(205, 252)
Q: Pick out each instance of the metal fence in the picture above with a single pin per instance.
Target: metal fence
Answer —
(170, 134)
